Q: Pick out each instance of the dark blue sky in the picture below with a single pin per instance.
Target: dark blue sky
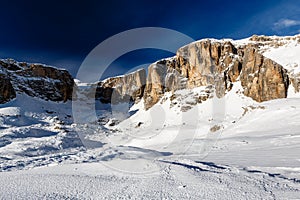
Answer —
(62, 33)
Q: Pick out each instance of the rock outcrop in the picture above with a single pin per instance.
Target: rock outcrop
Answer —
(214, 64)
(156, 84)
(7, 91)
(209, 63)
(127, 88)
(219, 64)
(39, 80)
(198, 64)
(202, 61)
(262, 78)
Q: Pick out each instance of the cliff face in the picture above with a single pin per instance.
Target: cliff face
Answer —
(129, 87)
(37, 80)
(219, 64)
(198, 64)
(204, 62)
(262, 78)
(156, 83)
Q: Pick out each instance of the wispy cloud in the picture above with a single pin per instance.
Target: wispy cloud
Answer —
(286, 23)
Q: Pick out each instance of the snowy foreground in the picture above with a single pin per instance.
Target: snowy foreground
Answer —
(256, 158)
(231, 148)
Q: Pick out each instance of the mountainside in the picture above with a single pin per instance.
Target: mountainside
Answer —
(220, 119)
(208, 62)
(35, 80)
(218, 63)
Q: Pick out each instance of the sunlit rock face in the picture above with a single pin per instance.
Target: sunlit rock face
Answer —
(126, 88)
(262, 78)
(220, 64)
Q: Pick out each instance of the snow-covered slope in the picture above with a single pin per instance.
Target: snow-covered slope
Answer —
(287, 55)
(189, 145)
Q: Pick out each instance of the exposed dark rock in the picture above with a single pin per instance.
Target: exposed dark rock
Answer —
(7, 91)
(39, 80)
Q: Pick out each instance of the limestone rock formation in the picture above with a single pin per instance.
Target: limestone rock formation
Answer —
(214, 64)
(127, 88)
(204, 62)
(155, 85)
(39, 80)
(198, 64)
(262, 78)
(220, 64)
(7, 91)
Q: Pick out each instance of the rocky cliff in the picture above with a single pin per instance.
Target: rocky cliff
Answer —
(35, 80)
(216, 64)
(262, 78)
(126, 88)
(220, 64)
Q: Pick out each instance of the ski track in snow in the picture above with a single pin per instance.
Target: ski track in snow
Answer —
(178, 180)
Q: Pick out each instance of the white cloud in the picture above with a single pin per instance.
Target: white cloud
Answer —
(285, 23)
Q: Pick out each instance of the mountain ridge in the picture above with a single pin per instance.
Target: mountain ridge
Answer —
(189, 131)
(206, 62)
